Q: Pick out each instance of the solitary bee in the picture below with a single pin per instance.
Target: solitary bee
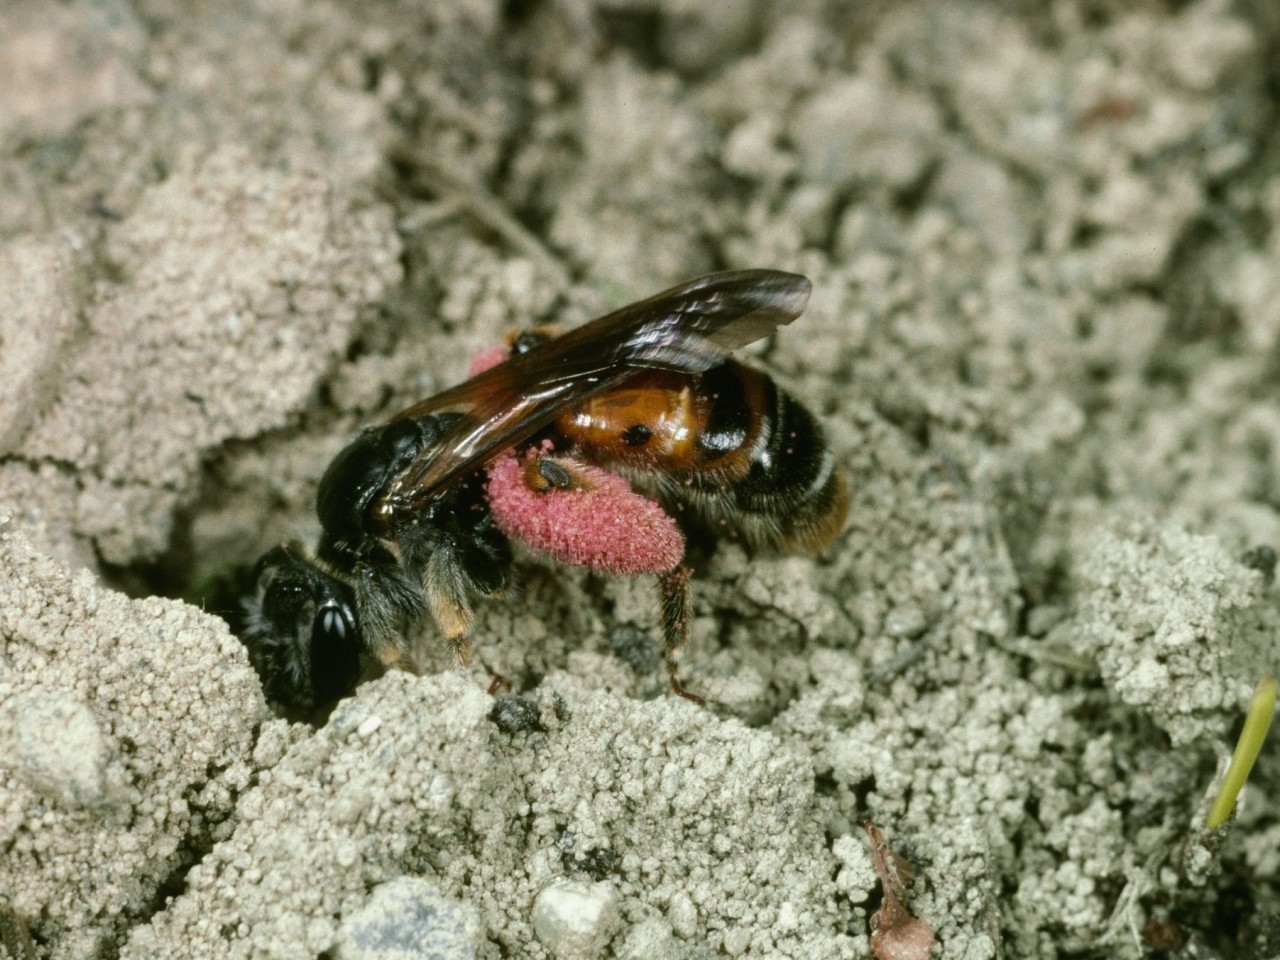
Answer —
(578, 445)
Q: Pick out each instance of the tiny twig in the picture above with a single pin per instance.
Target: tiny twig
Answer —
(450, 185)
(895, 933)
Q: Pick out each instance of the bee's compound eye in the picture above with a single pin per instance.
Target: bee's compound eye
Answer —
(331, 619)
(335, 652)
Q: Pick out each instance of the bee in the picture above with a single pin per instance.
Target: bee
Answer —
(581, 446)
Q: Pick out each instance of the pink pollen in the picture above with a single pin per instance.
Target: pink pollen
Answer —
(487, 358)
(606, 526)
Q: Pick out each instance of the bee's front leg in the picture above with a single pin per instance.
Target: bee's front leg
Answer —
(446, 587)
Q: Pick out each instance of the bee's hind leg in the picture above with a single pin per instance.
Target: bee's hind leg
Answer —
(673, 587)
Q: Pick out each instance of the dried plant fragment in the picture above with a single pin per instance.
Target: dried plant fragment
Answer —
(895, 933)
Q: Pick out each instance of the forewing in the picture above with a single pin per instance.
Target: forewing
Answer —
(687, 329)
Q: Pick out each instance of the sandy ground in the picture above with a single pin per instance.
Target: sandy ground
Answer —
(1045, 340)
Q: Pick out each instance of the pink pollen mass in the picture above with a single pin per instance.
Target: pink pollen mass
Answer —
(486, 358)
(604, 526)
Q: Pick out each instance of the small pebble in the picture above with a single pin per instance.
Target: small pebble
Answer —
(57, 747)
(515, 715)
(409, 919)
(575, 919)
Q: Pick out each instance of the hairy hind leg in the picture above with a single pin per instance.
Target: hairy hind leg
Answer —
(673, 589)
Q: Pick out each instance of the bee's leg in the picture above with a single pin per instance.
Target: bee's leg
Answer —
(673, 587)
(461, 645)
(384, 601)
(446, 586)
(543, 474)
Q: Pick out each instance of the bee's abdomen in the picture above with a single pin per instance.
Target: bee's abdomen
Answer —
(730, 400)
(727, 442)
(783, 485)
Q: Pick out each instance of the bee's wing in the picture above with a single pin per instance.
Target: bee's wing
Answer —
(687, 329)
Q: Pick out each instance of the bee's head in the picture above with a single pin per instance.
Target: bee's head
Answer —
(301, 632)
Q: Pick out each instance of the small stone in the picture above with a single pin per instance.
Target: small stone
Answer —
(737, 940)
(516, 715)
(58, 748)
(683, 915)
(634, 646)
(651, 939)
(575, 919)
(1044, 617)
(908, 621)
(409, 919)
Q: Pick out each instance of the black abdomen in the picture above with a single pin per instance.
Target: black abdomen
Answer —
(768, 470)
(793, 494)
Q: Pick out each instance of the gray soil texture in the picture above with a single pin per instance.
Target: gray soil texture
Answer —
(1044, 341)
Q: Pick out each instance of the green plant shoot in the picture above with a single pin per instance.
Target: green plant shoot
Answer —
(1256, 723)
